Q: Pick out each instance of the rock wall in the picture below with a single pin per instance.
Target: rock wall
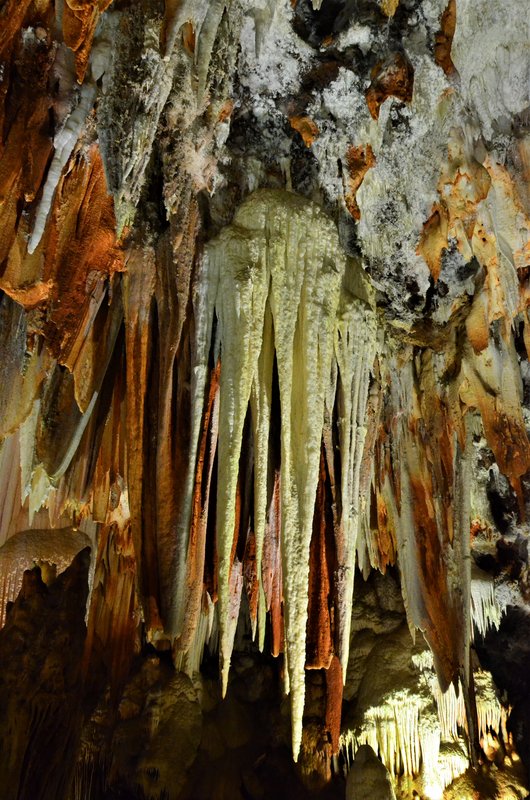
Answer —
(264, 275)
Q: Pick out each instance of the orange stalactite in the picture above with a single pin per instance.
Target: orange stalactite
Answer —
(188, 38)
(383, 532)
(195, 560)
(272, 570)
(443, 620)
(334, 686)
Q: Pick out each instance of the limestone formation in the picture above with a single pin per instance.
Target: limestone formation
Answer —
(264, 349)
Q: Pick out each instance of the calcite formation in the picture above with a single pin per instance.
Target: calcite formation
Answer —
(264, 337)
(287, 295)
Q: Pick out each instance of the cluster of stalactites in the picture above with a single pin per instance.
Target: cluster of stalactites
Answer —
(419, 731)
(283, 293)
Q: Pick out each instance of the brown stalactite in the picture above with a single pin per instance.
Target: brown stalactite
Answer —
(12, 18)
(138, 303)
(333, 676)
(113, 614)
(25, 147)
(319, 616)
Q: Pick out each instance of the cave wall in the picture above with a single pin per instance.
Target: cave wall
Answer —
(264, 322)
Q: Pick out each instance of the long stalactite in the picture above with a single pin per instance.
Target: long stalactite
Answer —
(264, 342)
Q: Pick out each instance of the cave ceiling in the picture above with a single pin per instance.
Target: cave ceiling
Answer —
(264, 399)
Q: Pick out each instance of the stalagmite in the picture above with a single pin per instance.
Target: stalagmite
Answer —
(55, 548)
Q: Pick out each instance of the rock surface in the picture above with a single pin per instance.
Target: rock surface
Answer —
(264, 344)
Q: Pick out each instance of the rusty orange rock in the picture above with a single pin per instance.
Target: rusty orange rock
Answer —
(433, 240)
(393, 77)
(358, 161)
(444, 39)
(306, 127)
(463, 184)
(80, 18)
(81, 232)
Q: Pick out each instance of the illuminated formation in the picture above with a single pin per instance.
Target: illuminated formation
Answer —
(264, 398)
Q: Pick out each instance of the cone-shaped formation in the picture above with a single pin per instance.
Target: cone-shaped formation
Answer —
(286, 291)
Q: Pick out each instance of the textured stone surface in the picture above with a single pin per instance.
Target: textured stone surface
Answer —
(264, 319)
(41, 647)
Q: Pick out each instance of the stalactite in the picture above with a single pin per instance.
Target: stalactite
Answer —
(64, 143)
(138, 300)
(199, 517)
(283, 249)
(198, 377)
(486, 611)
(167, 399)
(203, 293)
(113, 615)
(319, 645)
(417, 739)
(355, 352)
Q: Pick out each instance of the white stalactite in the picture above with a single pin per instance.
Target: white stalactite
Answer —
(285, 286)
(355, 351)
(415, 737)
(64, 142)
(486, 611)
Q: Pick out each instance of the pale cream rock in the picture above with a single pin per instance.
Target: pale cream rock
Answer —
(490, 53)
(486, 611)
(285, 285)
(368, 777)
